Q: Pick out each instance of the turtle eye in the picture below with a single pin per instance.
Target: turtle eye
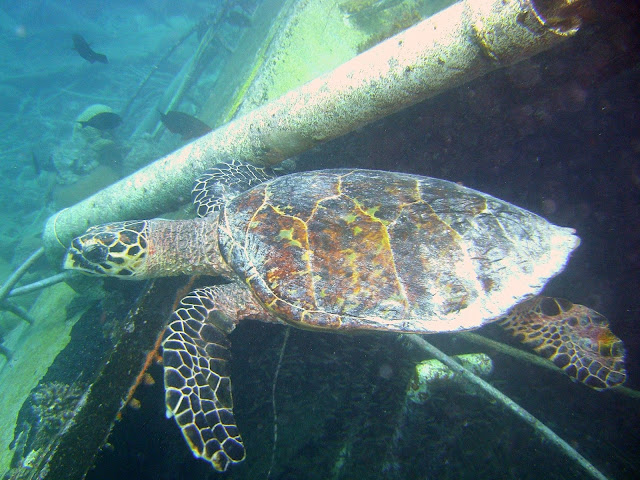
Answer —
(95, 253)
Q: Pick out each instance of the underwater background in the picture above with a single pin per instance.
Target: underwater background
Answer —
(81, 85)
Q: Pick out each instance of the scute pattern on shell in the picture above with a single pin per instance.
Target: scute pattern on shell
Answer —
(356, 249)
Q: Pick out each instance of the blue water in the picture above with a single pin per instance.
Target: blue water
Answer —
(558, 134)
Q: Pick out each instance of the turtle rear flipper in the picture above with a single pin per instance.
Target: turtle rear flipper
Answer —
(574, 337)
(221, 184)
(196, 378)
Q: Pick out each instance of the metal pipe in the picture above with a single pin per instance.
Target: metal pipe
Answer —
(462, 42)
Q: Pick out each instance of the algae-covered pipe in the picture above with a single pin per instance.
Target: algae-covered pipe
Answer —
(460, 43)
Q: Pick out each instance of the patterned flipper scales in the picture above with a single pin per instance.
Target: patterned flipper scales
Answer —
(196, 378)
(224, 182)
(576, 338)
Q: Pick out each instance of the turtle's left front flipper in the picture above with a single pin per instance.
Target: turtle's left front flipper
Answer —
(196, 378)
(576, 338)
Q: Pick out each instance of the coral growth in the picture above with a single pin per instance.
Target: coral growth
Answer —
(54, 403)
(87, 148)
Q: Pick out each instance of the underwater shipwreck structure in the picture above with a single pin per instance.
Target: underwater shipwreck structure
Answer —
(67, 422)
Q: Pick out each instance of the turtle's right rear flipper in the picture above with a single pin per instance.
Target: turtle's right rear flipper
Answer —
(196, 378)
(574, 337)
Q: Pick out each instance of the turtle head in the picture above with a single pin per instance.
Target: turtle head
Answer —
(114, 249)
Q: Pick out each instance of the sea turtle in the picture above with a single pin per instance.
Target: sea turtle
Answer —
(343, 250)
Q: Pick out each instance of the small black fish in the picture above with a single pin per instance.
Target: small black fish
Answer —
(184, 124)
(102, 121)
(39, 165)
(81, 46)
(36, 163)
(238, 19)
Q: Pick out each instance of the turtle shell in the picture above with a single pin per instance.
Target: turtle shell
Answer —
(362, 249)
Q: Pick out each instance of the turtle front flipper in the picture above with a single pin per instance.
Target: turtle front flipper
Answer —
(196, 378)
(576, 338)
(221, 184)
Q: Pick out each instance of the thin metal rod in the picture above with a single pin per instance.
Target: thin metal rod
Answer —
(507, 350)
(40, 284)
(17, 311)
(273, 400)
(188, 76)
(6, 352)
(539, 427)
(17, 275)
(154, 69)
(12, 280)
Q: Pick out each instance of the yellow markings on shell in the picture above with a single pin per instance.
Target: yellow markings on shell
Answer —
(397, 298)
(351, 260)
(287, 234)
(350, 256)
(352, 217)
(372, 211)
(384, 245)
(356, 230)
(279, 210)
(395, 191)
